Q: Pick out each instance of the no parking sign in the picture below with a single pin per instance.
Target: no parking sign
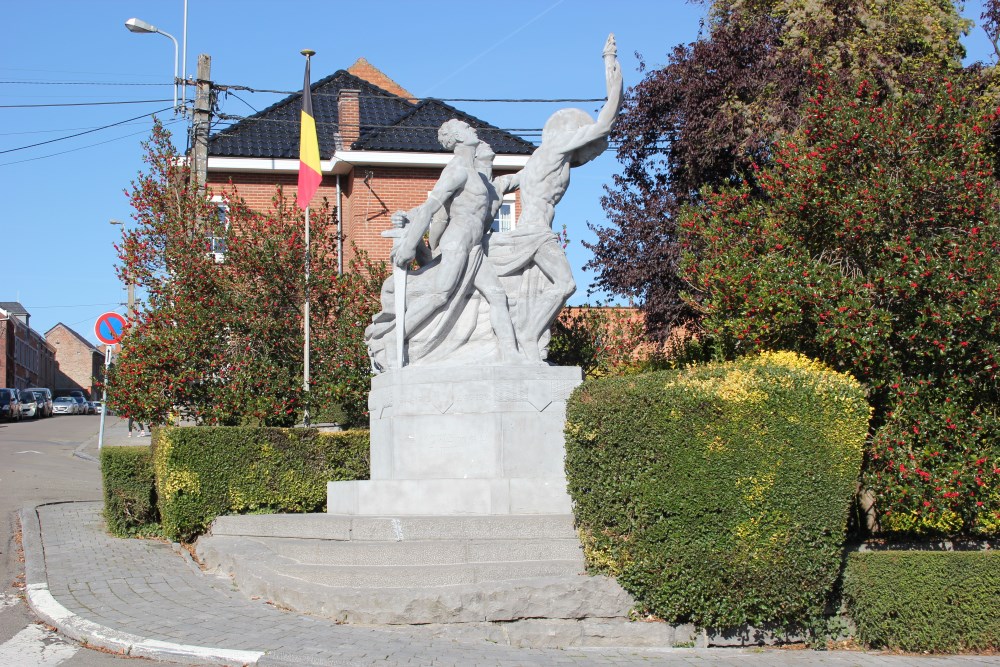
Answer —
(109, 328)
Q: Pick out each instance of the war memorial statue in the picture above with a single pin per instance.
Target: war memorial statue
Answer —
(466, 416)
(461, 266)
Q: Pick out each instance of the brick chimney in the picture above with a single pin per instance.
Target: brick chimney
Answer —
(349, 112)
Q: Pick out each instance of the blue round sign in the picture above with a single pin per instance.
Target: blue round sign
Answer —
(109, 328)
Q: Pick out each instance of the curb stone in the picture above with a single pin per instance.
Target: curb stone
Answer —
(89, 633)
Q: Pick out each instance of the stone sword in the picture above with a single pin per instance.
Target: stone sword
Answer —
(397, 233)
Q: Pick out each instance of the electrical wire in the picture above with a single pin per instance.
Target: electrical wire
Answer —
(80, 148)
(72, 305)
(81, 83)
(78, 104)
(79, 134)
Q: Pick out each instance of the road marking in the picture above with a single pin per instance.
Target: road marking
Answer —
(36, 647)
(7, 600)
(29, 451)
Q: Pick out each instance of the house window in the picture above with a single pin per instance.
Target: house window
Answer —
(215, 237)
(504, 222)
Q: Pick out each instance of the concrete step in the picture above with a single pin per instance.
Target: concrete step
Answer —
(393, 529)
(402, 568)
(413, 570)
(320, 590)
(423, 552)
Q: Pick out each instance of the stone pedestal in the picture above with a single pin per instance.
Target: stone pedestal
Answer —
(482, 440)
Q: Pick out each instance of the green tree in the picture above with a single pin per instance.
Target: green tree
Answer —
(222, 342)
(720, 103)
(873, 246)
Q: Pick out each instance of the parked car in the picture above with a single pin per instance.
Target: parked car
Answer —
(29, 404)
(44, 397)
(65, 405)
(82, 403)
(10, 404)
(98, 408)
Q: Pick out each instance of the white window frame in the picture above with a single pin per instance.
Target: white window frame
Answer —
(214, 242)
(503, 223)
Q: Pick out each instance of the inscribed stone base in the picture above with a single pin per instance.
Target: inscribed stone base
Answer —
(470, 440)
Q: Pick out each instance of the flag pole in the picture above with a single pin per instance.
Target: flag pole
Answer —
(310, 177)
(305, 367)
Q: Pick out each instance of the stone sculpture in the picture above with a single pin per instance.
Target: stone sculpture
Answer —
(457, 308)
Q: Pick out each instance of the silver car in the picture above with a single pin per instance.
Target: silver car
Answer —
(29, 404)
(65, 405)
(44, 397)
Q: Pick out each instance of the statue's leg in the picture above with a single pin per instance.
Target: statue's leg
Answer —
(447, 276)
(488, 284)
(552, 262)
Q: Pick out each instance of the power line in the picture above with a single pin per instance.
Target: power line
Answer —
(77, 104)
(79, 134)
(61, 129)
(227, 87)
(72, 305)
(80, 148)
(81, 83)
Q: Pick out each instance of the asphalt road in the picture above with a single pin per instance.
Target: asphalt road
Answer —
(37, 466)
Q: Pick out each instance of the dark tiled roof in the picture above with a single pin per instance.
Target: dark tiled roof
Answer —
(417, 131)
(388, 123)
(13, 307)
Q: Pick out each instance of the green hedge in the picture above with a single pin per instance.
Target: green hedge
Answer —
(129, 491)
(203, 472)
(719, 494)
(941, 601)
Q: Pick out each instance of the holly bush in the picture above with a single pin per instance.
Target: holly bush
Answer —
(871, 244)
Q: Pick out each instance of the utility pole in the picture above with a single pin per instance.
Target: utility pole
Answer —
(201, 121)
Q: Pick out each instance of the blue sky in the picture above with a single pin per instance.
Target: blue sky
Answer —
(58, 197)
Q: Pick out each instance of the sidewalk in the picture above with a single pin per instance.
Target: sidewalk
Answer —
(147, 598)
(115, 435)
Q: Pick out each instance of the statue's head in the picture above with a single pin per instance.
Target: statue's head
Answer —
(568, 121)
(454, 132)
(484, 158)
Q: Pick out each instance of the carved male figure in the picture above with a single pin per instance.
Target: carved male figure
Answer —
(570, 138)
(466, 196)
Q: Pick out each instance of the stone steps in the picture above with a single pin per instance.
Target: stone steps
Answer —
(413, 570)
(425, 552)
(379, 565)
(371, 528)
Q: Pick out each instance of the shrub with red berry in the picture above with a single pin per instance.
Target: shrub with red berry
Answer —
(872, 244)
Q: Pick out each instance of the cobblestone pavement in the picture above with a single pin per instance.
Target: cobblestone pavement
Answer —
(148, 598)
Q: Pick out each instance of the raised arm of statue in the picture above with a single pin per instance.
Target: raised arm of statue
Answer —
(606, 118)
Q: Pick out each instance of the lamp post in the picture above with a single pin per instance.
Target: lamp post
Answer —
(141, 27)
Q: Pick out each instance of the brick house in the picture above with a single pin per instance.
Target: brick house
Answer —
(378, 149)
(79, 365)
(27, 359)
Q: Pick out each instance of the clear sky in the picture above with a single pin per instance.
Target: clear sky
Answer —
(58, 198)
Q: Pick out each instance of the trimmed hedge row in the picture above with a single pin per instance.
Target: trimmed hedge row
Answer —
(203, 472)
(941, 601)
(129, 491)
(719, 494)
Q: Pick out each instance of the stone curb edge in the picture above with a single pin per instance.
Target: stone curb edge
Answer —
(89, 633)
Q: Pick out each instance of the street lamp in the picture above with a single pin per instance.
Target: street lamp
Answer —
(140, 26)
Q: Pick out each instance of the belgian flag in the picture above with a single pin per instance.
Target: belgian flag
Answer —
(310, 174)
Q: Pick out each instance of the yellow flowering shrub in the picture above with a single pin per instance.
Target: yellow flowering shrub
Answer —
(202, 472)
(718, 494)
